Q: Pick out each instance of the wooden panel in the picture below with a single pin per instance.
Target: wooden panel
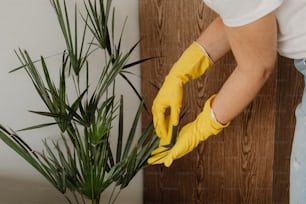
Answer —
(233, 167)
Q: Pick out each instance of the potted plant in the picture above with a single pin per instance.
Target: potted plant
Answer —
(83, 163)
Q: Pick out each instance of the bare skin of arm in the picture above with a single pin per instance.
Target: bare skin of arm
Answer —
(214, 40)
(254, 47)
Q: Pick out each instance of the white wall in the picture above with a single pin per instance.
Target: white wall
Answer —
(32, 24)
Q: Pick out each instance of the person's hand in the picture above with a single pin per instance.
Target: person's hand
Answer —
(170, 96)
(190, 136)
(192, 64)
(165, 143)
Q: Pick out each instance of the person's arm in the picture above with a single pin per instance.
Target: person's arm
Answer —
(255, 49)
(214, 40)
(210, 46)
(196, 59)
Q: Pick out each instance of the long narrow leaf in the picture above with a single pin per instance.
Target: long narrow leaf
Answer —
(37, 126)
(131, 136)
(22, 152)
(120, 131)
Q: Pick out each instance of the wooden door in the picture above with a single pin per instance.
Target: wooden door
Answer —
(249, 161)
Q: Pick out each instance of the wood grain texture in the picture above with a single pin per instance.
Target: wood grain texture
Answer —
(237, 165)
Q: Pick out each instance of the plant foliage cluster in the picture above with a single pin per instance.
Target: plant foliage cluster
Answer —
(83, 162)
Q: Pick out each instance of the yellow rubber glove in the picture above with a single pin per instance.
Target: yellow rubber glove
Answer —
(165, 143)
(190, 136)
(192, 64)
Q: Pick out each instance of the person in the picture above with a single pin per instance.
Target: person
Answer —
(255, 31)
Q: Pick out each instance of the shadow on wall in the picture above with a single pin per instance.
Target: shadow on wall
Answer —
(25, 191)
(19, 191)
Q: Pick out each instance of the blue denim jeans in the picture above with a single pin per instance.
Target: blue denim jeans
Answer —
(298, 154)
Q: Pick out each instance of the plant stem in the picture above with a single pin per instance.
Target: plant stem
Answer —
(67, 198)
(111, 199)
(75, 197)
(95, 201)
(116, 196)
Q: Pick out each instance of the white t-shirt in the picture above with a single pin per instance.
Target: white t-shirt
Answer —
(291, 17)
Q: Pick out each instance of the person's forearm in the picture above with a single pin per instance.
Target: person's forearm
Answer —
(243, 84)
(254, 47)
(237, 92)
(214, 40)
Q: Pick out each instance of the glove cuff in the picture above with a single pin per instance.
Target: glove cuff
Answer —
(192, 64)
(212, 114)
(204, 51)
(206, 122)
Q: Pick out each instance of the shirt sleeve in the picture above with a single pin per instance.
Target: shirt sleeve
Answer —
(241, 12)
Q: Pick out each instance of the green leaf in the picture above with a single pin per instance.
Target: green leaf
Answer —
(85, 162)
(26, 154)
(37, 126)
(132, 131)
(120, 131)
(134, 89)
